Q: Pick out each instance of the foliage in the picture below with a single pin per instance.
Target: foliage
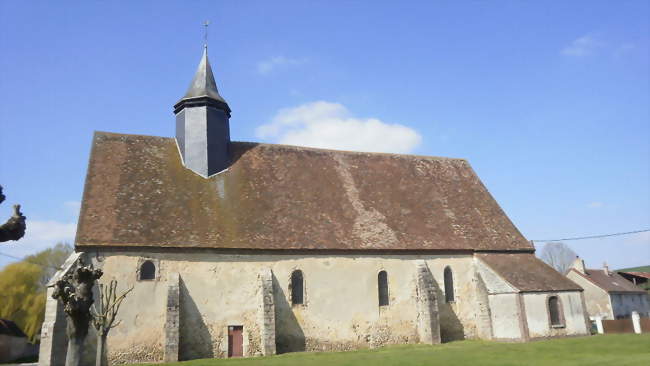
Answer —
(635, 269)
(559, 256)
(615, 349)
(22, 288)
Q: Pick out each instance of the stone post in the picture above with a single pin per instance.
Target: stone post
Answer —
(267, 312)
(172, 319)
(636, 322)
(427, 305)
(599, 324)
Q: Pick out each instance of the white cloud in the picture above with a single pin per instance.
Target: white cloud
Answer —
(267, 66)
(330, 126)
(40, 235)
(595, 205)
(583, 46)
(43, 234)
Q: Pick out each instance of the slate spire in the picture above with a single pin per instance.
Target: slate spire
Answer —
(203, 124)
(203, 87)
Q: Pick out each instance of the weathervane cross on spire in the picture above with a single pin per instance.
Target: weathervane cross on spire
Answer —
(205, 34)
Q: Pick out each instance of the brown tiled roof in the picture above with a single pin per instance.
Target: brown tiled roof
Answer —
(138, 193)
(7, 327)
(527, 272)
(638, 274)
(610, 283)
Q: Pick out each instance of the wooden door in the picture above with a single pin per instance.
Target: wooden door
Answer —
(235, 341)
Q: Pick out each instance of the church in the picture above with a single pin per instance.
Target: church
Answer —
(243, 249)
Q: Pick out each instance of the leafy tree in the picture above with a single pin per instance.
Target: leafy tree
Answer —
(558, 255)
(22, 288)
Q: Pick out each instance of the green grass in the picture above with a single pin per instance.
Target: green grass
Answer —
(623, 349)
(635, 269)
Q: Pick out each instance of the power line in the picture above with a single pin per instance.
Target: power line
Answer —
(25, 260)
(598, 236)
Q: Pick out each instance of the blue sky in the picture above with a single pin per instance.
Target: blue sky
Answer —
(549, 101)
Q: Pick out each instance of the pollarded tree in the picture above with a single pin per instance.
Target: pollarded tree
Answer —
(75, 292)
(14, 228)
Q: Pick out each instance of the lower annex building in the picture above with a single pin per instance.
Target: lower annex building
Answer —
(243, 249)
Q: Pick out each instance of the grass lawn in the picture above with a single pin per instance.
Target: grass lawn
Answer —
(615, 349)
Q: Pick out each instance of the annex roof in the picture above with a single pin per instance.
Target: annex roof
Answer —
(277, 197)
(527, 273)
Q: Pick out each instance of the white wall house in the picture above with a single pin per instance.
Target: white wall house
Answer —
(607, 294)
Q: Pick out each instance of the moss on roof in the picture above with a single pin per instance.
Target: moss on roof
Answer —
(138, 193)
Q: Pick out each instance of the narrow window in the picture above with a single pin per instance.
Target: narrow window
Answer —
(296, 287)
(382, 284)
(147, 271)
(554, 311)
(449, 285)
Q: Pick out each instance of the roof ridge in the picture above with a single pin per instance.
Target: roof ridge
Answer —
(298, 147)
(351, 152)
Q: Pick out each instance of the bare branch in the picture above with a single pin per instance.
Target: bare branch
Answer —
(558, 255)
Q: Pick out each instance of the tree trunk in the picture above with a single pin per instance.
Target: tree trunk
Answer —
(75, 351)
(101, 341)
(77, 331)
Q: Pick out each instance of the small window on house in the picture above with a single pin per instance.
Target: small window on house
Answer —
(382, 284)
(297, 291)
(449, 285)
(147, 271)
(554, 311)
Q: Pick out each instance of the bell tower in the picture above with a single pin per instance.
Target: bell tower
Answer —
(203, 124)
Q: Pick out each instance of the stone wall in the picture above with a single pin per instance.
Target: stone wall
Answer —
(12, 348)
(538, 317)
(505, 316)
(340, 310)
(596, 299)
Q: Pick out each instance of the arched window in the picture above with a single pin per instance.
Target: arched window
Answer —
(382, 285)
(449, 285)
(554, 311)
(147, 271)
(297, 291)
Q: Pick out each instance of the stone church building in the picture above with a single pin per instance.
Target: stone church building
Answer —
(244, 249)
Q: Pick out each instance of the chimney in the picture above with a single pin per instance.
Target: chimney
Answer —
(579, 265)
(606, 269)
